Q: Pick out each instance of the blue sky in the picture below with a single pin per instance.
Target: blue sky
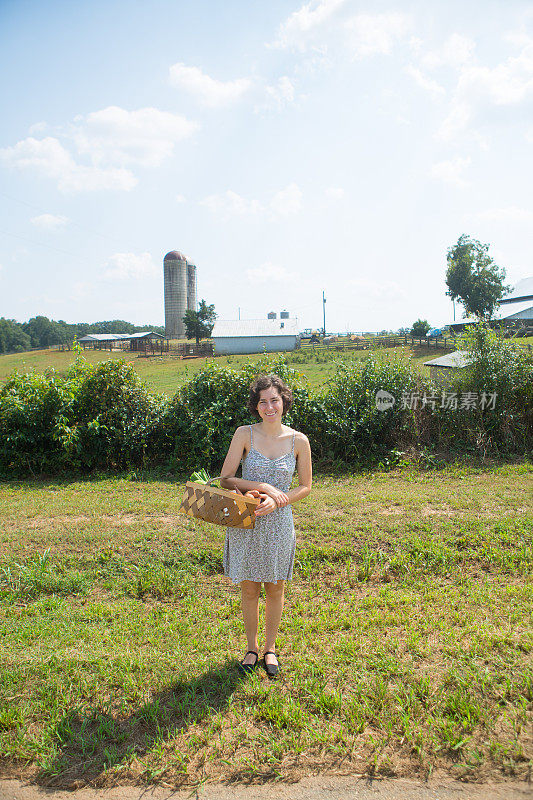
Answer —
(285, 148)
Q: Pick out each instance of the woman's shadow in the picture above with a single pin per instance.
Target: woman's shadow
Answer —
(90, 742)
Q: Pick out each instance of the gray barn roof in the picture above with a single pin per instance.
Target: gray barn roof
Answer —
(114, 337)
(457, 360)
(231, 328)
(506, 311)
(522, 290)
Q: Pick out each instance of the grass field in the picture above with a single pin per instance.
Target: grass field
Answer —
(405, 640)
(167, 375)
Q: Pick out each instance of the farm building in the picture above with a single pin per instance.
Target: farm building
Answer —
(255, 335)
(442, 369)
(146, 340)
(515, 308)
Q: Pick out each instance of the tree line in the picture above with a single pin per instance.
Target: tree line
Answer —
(41, 332)
(472, 277)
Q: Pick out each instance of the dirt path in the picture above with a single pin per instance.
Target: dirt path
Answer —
(310, 788)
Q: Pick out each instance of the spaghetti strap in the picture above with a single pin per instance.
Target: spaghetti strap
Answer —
(293, 435)
(251, 438)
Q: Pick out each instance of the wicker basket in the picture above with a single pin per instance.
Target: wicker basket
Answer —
(219, 506)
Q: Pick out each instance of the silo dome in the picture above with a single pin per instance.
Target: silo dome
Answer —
(174, 255)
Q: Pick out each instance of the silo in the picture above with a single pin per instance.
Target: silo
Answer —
(175, 272)
(271, 315)
(284, 315)
(191, 286)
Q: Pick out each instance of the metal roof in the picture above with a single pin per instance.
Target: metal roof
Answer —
(457, 359)
(507, 311)
(231, 328)
(103, 337)
(143, 335)
(114, 337)
(523, 288)
(516, 308)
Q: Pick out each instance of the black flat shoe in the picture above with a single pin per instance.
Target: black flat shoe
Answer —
(247, 668)
(272, 670)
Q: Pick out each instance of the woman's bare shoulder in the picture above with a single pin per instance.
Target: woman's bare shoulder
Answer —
(300, 441)
(242, 432)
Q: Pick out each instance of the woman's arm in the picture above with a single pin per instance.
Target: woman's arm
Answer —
(231, 464)
(305, 471)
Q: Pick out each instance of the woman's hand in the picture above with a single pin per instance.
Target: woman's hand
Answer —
(266, 506)
(280, 498)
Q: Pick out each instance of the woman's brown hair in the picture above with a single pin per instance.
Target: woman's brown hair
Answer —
(265, 382)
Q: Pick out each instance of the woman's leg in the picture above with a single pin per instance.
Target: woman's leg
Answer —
(250, 591)
(274, 607)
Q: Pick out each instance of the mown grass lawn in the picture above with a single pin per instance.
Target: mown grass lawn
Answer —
(167, 375)
(405, 640)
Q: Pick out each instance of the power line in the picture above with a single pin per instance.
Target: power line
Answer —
(41, 244)
(71, 221)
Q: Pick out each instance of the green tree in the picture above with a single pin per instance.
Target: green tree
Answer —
(420, 328)
(473, 277)
(42, 331)
(12, 337)
(199, 324)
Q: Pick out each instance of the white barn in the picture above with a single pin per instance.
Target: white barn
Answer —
(517, 305)
(232, 337)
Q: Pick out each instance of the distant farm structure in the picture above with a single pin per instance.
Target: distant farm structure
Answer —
(180, 292)
(146, 341)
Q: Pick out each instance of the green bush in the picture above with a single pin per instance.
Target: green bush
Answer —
(35, 423)
(498, 367)
(356, 431)
(117, 418)
(104, 416)
(203, 415)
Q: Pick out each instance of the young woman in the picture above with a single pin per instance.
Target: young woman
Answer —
(266, 552)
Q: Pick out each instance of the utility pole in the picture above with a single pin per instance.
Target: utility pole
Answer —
(324, 310)
(239, 312)
(453, 301)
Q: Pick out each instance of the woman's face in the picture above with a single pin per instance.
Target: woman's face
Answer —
(270, 405)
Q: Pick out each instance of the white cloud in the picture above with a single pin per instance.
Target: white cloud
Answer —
(110, 140)
(456, 51)
(121, 266)
(287, 201)
(49, 158)
(269, 272)
(37, 127)
(208, 91)
(49, 222)
(144, 137)
(451, 171)
(484, 92)
(302, 25)
(506, 215)
(281, 94)
(230, 204)
(334, 193)
(180, 198)
(372, 34)
(428, 84)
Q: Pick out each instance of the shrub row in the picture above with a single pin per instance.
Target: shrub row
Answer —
(104, 417)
